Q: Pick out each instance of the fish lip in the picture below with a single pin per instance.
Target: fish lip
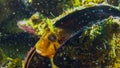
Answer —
(26, 28)
(20, 25)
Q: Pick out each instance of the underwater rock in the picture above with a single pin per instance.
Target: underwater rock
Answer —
(87, 47)
(80, 18)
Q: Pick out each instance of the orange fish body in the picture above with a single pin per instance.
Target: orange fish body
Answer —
(47, 45)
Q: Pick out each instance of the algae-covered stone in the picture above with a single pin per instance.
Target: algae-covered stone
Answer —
(93, 46)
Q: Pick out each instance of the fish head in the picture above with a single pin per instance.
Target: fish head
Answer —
(33, 25)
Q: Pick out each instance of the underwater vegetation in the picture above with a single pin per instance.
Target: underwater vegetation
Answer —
(7, 62)
(60, 33)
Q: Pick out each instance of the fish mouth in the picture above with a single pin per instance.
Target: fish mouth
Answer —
(27, 28)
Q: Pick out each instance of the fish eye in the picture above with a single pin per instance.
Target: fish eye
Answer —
(36, 21)
(52, 37)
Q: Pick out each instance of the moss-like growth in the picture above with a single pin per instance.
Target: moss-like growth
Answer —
(8, 62)
(102, 37)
